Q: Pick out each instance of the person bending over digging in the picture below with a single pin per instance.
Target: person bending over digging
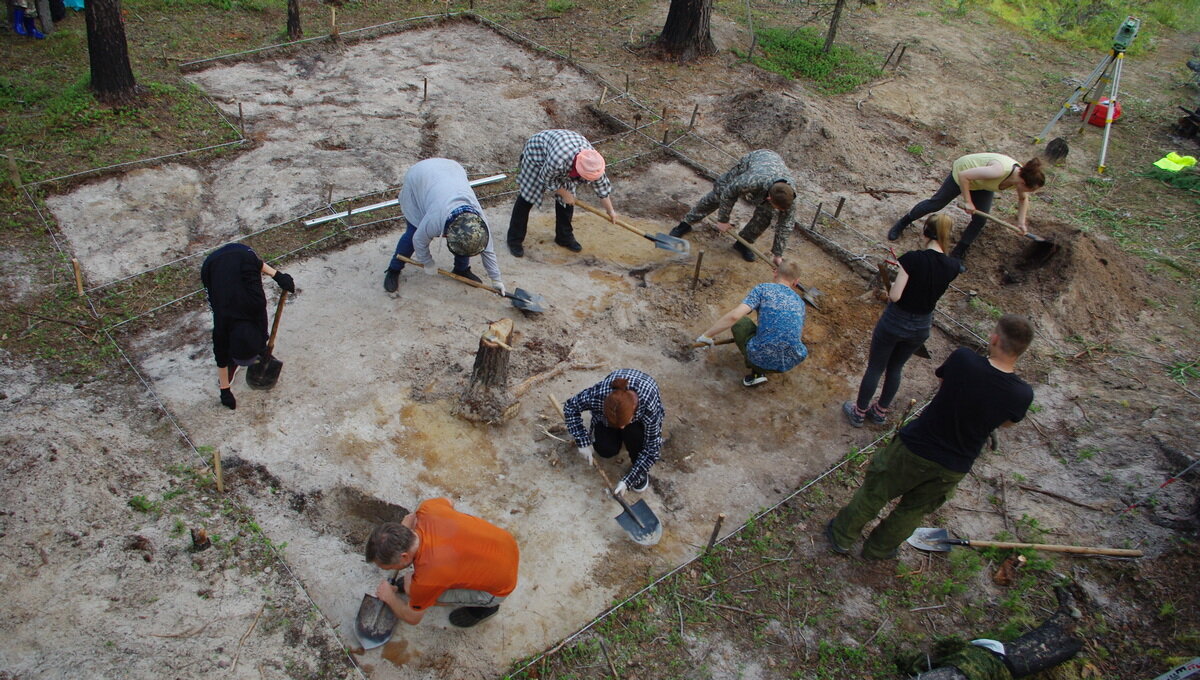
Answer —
(558, 161)
(232, 278)
(626, 409)
(774, 344)
(457, 560)
(765, 182)
(437, 200)
(928, 457)
(977, 177)
(904, 326)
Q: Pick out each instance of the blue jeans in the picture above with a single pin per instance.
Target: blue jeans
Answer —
(950, 190)
(405, 248)
(897, 335)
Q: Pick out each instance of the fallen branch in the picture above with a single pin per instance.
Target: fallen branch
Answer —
(233, 667)
(558, 370)
(724, 606)
(1072, 501)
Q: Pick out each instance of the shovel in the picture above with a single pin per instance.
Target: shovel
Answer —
(938, 540)
(767, 261)
(638, 520)
(660, 240)
(1041, 250)
(521, 298)
(723, 341)
(264, 374)
(375, 620)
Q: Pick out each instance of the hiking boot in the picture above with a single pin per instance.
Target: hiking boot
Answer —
(854, 414)
(681, 229)
(897, 229)
(744, 251)
(391, 280)
(878, 414)
(832, 543)
(754, 379)
(569, 243)
(467, 274)
(517, 249)
(465, 617)
(639, 483)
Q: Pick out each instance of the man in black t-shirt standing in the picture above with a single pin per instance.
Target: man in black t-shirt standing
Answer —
(926, 460)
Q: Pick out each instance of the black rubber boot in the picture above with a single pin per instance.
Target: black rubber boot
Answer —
(681, 229)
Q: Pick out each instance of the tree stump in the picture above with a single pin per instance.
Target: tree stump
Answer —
(487, 397)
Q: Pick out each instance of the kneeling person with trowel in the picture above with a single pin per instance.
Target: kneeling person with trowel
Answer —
(458, 560)
(232, 279)
(626, 410)
(438, 201)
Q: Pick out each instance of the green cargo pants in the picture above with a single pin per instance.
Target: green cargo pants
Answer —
(922, 485)
(743, 330)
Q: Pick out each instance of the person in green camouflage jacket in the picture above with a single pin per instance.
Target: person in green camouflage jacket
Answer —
(764, 181)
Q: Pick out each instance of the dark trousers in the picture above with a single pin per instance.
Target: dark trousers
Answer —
(610, 439)
(897, 335)
(948, 192)
(518, 223)
(405, 247)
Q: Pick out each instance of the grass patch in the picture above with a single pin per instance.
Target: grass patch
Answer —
(1094, 23)
(797, 54)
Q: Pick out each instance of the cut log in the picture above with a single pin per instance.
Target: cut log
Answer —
(487, 397)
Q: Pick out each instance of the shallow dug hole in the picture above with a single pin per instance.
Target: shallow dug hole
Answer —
(360, 425)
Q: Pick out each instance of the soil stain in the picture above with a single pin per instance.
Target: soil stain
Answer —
(397, 652)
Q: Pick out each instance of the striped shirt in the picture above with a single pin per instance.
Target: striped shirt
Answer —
(546, 164)
(649, 412)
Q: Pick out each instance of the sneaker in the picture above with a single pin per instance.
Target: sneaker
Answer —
(853, 414)
(754, 379)
(465, 617)
(832, 543)
(467, 274)
(877, 414)
(897, 229)
(745, 252)
(569, 243)
(391, 280)
(681, 229)
(640, 483)
(517, 249)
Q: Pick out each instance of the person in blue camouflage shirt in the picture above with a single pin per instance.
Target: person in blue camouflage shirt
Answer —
(626, 410)
(773, 345)
(764, 181)
(558, 161)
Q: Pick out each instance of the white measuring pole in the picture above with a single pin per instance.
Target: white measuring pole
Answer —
(386, 204)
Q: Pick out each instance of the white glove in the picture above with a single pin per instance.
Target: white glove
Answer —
(620, 488)
(498, 285)
(587, 452)
(705, 340)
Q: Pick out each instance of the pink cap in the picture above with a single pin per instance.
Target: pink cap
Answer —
(589, 164)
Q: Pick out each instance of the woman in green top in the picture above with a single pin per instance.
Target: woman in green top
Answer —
(977, 177)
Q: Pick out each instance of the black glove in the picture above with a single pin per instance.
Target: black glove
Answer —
(227, 399)
(285, 281)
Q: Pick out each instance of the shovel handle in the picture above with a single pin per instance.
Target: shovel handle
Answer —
(607, 482)
(447, 274)
(619, 222)
(770, 262)
(724, 341)
(1015, 228)
(275, 325)
(1050, 547)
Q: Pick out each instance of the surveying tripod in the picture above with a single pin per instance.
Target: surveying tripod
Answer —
(1109, 64)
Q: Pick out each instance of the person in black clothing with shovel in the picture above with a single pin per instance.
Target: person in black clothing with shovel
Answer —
(232, 277)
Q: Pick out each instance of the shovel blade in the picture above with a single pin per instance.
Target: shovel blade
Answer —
(671, 243)
(528, 302)
(641, 524)
(374, 623)
(931, 540)
(264, 374)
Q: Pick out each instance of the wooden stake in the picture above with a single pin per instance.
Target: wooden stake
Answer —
(696, 273)
(889, 57)
(838, 210)
(329, 193)
(220, 477)
(816, 216)
(425, 94)
(78, 275)
(603, 95)
(692, 122)
(712, 538)
(333, 31)
(666, 133)
(900, 56)
(241, 120)
(626, 83)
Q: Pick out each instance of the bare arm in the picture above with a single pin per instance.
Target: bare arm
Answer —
(898, 285)
(1022, 208)
(398, 603)
(608, 208)
(993, 170)
(726, 322)
(268, 269)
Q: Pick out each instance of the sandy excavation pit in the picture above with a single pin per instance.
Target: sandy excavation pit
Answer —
(360, 425)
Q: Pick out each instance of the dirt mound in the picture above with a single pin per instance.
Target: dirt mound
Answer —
(763, 119)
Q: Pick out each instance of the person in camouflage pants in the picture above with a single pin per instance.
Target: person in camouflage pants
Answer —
(763, 180)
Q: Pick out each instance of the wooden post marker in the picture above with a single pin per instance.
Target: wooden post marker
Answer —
(425, 93)
(838, 210)
(712, 538)
(692, 122)
(696, 273)
(220, 477)
(78, 276)
(816, 216)
(241, 120)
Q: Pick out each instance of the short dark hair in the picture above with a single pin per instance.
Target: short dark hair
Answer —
(388, 541)
(781, 195)
(1015, 332)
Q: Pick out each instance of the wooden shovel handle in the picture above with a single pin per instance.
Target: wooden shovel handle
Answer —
(723, 341)
(275, 325)
(451, 275)
(620, 223)
(770, 262)
(1050, 547)
(997, 220)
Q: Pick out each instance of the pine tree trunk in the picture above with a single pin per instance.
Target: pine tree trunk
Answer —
(108, 53)
(294, 31)
(686, 35)
(833, 24)
(487, 397)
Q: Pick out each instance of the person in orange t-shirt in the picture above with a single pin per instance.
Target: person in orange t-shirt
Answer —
(458, 560)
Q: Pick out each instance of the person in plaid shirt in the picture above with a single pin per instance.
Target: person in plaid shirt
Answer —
(558, 161)
(764, 181)
(626, 409)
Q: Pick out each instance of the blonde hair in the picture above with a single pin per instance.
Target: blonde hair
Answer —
(938, 227)
(789, 270)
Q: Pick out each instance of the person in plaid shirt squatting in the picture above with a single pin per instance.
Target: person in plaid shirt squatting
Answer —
(558, 161)
(626, 409)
